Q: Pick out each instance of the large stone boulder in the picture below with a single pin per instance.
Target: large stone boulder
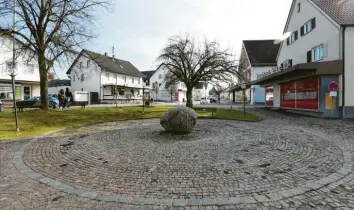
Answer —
(179, 120)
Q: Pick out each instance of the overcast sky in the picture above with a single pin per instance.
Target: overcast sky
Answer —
(139, 29)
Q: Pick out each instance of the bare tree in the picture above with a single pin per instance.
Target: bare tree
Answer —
(53, 29)
(190, 62)
(218, 89)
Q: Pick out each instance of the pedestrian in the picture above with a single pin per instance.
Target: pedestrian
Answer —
(68, 97)
(61, 98)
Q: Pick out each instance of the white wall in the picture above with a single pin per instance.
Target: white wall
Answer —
(120, 79)
(276, 95)
(55, 90)
(164, 94)
(349, 66)
(92, 75)
(22, 66)
(326, 33)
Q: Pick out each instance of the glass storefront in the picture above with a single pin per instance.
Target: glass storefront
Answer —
(301, 94)
(6, 92)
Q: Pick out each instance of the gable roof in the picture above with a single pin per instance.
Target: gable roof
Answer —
(341, 11)
(148, 74)
(58, 82)
(261, 52)
(109, 64)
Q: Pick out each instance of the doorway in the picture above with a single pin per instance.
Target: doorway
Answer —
(26, 92)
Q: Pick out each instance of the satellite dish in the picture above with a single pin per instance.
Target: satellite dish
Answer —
(283, 37)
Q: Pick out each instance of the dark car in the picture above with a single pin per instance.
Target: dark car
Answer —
(36, 102)
(212, 100)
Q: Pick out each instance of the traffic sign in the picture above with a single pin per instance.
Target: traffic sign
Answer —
(333, 93)
(333, 86)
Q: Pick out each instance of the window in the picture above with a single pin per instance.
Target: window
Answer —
(74, 77)
(160, 76)
(308, 27)
(125, 78)
(29, 69)
(82, 77)
(9, 66)
(298, 7)
(133, 80)
(106, 74)
(88, 63)
(317, 53)
(293, 37)
(80, 65)
(139, 81)
(6, 92)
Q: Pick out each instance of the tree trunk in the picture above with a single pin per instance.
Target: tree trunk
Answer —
(43, 74)
(189, 98)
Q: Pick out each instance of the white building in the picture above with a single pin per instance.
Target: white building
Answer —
(176, 93)
(26, 68)
(257, 57)
(102, 75)
(319, 52)
(54, 86)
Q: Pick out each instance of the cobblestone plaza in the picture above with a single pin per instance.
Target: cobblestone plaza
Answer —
(281, 162)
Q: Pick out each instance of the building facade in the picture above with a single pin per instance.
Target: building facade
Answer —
(159, 92)
(257, 56)
(54, 86)
(106, 76)
(26, 70)
(316, 58)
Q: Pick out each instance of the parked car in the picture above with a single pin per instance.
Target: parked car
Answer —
(36, 102)
(212, 100)
(204, 101)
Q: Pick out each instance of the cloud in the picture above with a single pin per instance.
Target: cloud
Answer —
(139, 29)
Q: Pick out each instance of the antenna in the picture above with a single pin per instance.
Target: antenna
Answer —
(113, 52)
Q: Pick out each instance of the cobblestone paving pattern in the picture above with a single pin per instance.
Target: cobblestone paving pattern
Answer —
(308, 161)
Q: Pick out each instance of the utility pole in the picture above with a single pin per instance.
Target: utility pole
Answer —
(14, 64)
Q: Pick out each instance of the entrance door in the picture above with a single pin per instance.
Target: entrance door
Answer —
(26, 92)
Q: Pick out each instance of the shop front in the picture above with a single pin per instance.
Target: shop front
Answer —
(303, 88)
(300, 94)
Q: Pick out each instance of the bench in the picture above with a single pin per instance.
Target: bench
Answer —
(202, 109)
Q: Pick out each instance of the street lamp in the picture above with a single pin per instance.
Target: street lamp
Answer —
(243, 87)
(12, 75)
(144, 84)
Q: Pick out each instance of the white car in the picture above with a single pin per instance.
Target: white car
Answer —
(204, 101)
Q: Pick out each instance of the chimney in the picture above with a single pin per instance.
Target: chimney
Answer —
(105, 54)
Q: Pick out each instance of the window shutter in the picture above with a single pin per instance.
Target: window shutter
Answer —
(302, 30)
(313, 23)
(296, 35)
(309, 56)
(325, 50)
(287, 41)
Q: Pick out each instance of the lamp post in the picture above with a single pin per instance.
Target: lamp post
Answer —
(12, 75)
(144, 84)
(243, 87)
